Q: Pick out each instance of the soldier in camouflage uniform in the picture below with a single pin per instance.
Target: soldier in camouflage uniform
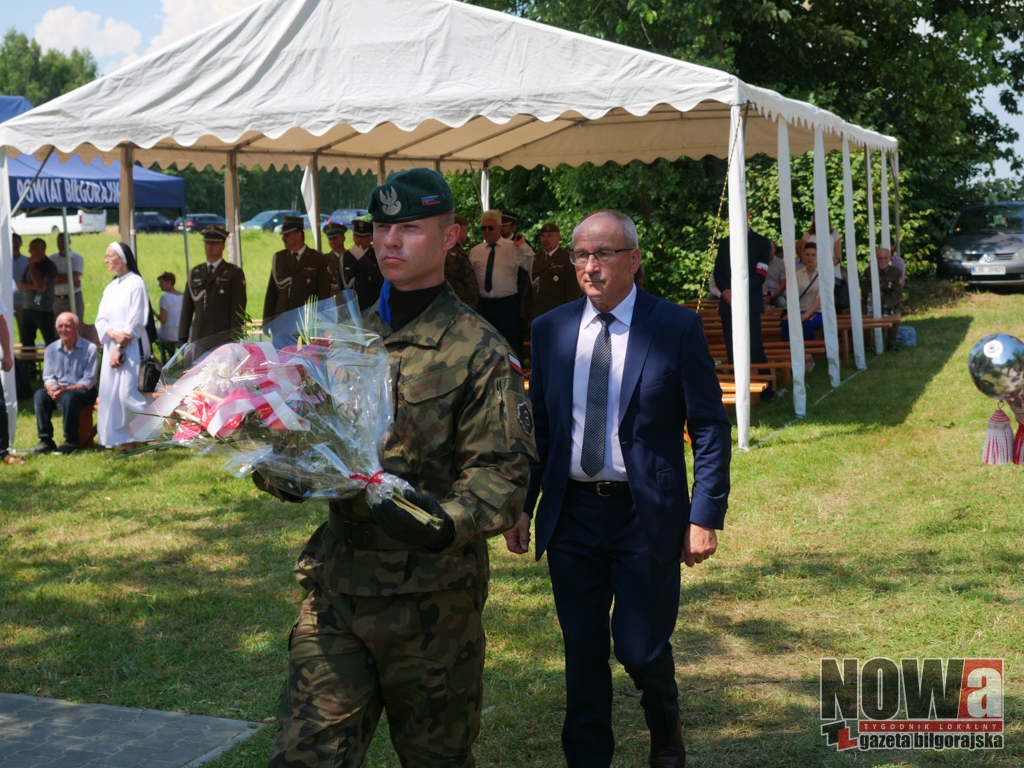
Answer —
(457, 269)
(391, 618)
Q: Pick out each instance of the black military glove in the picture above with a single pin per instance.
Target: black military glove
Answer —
(400, 525)
(262, 482)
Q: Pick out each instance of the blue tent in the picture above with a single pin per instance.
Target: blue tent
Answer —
(76, 184)
(12, 106)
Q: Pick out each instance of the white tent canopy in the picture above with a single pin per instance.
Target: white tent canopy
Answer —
(398, 83)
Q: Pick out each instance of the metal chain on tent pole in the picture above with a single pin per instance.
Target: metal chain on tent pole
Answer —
(710, 260)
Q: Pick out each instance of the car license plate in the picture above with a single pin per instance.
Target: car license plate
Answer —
(988, 270)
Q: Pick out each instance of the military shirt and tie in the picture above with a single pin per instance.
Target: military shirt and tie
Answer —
(553, 281)
(295, 279)
(361, 273)
(214, 301)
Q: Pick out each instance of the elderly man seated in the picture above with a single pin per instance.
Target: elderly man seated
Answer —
(69, 379)
(890, 285)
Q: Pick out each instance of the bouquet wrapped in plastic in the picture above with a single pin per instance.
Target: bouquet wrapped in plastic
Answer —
(305, 400)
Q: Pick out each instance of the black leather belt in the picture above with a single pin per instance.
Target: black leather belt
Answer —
(602, 487)
(363, 535)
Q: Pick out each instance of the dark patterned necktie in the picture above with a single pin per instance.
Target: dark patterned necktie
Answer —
(488, 277)
(595, 425)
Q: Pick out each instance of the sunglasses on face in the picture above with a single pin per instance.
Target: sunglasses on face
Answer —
(488, 228)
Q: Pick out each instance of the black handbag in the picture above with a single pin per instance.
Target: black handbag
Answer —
(149, 371)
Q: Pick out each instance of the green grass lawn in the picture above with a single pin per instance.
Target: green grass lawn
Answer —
(870, 528)
(159, 253)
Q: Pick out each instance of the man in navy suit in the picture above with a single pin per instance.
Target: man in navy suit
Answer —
(617, 376)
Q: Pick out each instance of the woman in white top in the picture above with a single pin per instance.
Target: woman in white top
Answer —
(810, 301)
(121, 326)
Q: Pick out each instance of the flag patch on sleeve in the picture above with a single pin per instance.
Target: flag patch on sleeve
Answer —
(516, 365)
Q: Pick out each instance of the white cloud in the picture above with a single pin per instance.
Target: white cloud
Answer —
(67, 27)
(182, 18)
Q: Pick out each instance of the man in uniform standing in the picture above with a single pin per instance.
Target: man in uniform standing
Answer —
(297, 274)
(457, 269)
(496, 263)
(335, 234)
(392, 615)
(214, 300)
(359, 269)
(554, 277)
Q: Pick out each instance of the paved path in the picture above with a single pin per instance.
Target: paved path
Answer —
(59, 734)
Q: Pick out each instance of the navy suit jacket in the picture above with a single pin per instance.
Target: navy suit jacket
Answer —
(668, 383)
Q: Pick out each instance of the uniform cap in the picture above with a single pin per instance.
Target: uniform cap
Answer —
(550, 227)
(362, 227)
(509, 218)
(291, 224)
(334, 229)
(215, 234)
(417, 193)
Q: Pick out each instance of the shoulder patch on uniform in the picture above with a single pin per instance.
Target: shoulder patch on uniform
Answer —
(516, 365)
(517, 420)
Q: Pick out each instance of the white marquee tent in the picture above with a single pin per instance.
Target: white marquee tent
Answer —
(399, 83)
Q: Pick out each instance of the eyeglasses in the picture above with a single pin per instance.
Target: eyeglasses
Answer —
(488, 228)
(601, 257)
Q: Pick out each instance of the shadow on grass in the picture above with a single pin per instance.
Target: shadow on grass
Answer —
(191, 614)
(903, 376)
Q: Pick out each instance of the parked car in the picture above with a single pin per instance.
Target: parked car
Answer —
(985, 245)
(324, 218)
(197, 222)
(347, 215)
(51, 221)
(269, 220)
(151, 221)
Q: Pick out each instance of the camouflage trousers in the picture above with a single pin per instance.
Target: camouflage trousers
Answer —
(419, 657)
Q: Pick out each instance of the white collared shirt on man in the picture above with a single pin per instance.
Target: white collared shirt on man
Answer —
(508, 260)
(590, 326)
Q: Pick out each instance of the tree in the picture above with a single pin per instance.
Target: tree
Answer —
(914, 69)
(26, 71)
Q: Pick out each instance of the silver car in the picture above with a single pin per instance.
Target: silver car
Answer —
(985, 245)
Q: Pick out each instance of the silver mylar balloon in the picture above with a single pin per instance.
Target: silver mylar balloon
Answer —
(997, 366)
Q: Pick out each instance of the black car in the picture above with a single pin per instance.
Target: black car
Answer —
(151, 221)
(197, 222)
(985, 245)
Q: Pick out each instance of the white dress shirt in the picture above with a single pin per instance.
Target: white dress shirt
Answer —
(590, 327)
(505, 277)
(212, 265)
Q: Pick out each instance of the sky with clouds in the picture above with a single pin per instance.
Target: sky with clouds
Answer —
(120, 31)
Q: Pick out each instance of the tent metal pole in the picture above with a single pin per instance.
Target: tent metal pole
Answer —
(895, 166)
(876, 297)
(796, 331)
(740, 276)
(68, 264)
(485, 190)
(852, 274)
(233, 208)
(126, 213)
(886, 234)
(826, 270)
(10, 399)
(14, 210)
(314, 215)
(184, 233)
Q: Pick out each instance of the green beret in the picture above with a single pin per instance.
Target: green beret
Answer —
(334, 229)
(291, 224)
(215, 234)
(409, 195)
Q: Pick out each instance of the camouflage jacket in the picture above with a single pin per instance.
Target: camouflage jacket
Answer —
(461, 277)
(888, 286)
(462, 432)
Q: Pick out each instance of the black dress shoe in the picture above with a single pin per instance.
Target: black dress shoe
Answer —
(44, 446)
(67, 447)
(669, 754)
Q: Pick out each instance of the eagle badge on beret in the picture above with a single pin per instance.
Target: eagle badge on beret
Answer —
(389, 201)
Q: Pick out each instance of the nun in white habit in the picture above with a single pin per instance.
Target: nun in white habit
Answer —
(120, 324)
